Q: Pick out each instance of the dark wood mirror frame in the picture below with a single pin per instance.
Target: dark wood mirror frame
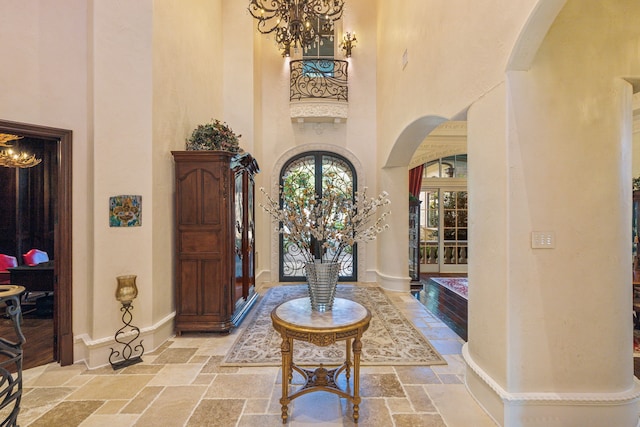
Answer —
(63, 351)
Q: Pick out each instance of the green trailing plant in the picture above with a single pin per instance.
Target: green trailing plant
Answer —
(636, 183)
(215, 135)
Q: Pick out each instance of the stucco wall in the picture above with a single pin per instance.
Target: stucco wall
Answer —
(131, 80)
(44, 81)
(187, 91)
(572, 114)
(568, 159)
(278, 135)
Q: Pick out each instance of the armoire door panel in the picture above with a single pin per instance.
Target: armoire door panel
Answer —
(187, 198)
(213, 198)
(188, 289)
(213, 288)
(204, 241)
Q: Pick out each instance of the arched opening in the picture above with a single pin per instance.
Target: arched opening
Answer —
(308, 175)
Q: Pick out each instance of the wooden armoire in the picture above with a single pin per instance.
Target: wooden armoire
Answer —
(214, 239)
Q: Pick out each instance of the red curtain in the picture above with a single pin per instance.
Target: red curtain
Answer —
(415, 181)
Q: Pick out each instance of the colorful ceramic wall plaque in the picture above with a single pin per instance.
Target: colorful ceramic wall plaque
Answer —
(125, 211)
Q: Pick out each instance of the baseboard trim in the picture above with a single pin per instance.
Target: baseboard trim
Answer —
(95, 352)
(550, 409)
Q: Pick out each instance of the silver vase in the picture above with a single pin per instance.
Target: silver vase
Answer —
(322, 279)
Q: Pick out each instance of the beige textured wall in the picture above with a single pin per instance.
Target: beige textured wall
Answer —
(278, 135)
(44, 81)
(571, 112)
(131, 80)
(434, 62)
(536, 313)
(187, 91)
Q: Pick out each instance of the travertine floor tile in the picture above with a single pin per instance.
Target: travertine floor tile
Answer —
(419, 398)
(380, 385)
(212, 366)
(317, 407)
(373, 412)
(183, 384)
(418, 420)
(450, 398)
(45, 396)
(253, 420)
(172, 408)
(115, 387)
(172, 375)
(417, 375)
(175, 355)
(447, 346)
(217, 413)
(101, 420)
(234, 385)
(68, 413)
(142, 400)
(399, 405)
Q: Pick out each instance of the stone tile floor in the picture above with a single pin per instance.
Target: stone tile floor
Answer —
(182, 384)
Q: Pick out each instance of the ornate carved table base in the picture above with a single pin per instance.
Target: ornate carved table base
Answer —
(347, 321)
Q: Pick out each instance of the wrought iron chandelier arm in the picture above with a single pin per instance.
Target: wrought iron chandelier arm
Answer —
(295, 22)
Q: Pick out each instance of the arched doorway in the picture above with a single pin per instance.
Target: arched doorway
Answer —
(314, 171)
(61, 138)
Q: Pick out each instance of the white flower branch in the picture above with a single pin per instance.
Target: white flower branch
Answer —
(336, 220)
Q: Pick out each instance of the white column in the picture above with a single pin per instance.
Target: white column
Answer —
(393, 246)
(550, 330)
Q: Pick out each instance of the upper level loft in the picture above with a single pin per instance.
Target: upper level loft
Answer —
(319, 90)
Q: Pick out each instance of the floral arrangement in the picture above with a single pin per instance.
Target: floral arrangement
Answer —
(335, 219)
(214, 136)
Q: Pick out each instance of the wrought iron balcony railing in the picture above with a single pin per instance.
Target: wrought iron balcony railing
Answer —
(319, 78)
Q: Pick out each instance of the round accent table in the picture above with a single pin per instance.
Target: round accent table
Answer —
(347, 321)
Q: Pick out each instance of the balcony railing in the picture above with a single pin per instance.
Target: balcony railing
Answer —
(319, 79)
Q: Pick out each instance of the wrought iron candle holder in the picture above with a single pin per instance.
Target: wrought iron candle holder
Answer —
(127, 334)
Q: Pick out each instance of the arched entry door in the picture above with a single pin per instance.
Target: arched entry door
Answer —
(315, 171)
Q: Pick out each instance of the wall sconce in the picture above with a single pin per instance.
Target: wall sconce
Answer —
(348, 43)
(126, 292)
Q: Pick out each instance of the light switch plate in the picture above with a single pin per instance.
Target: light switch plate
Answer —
(543, 239)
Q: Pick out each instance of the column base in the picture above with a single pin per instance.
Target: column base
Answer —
(619, 409)
(393, 283)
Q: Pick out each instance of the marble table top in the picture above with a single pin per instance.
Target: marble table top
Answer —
(298, 312)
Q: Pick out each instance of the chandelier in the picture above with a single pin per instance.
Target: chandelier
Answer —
(11, 159)
(297, 23)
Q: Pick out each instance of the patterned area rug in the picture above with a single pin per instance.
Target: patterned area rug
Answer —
(459, 285)
(390, 340)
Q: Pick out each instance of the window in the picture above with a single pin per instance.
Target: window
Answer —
(316, 56)
(443, 215)
(447, 167)
(324, 46)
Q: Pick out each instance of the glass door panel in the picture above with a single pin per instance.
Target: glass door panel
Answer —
(301, 179)
(443, 242)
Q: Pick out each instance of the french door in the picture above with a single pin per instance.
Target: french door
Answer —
(443, 240)
(315, 171)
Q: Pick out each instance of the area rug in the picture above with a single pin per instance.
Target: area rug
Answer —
(459, 285)
(390, 340)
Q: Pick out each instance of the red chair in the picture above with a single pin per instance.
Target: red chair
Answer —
(35, 257)
(6, 261)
